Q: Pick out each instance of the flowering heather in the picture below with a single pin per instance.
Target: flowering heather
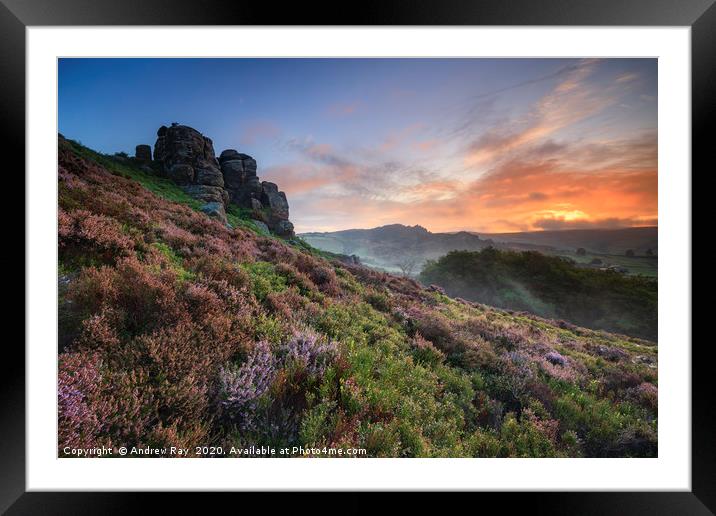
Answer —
(424, 350)
(177, 237)
(241, 388)
(433, 326)
(309, 353)
(609, 353)
(509, 337)
(103, 235)
(80, 421)
(518, 358)
(559, 372)
(178, 330)
(645, 394)
(555, 358)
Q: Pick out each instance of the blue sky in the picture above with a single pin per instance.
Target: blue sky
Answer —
(481, 144)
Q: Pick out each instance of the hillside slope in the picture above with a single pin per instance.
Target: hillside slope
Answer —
(176, 330)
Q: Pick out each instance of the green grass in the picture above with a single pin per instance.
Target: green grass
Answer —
(264, 279)
(175, 260)
(428, 402)
(241, 217)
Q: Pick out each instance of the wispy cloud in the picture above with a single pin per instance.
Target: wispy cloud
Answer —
(627, 77)
(572, 100)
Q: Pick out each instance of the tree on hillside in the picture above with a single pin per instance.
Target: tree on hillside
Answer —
(649, 252)
(581, 251)
(629, 252)
(407, 265)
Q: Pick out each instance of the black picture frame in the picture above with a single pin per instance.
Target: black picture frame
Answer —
(16, 15)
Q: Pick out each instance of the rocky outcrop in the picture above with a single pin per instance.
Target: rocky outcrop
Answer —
(187, 157)
(276, 206)
(240, 179)
(143, 153)
(267, 203)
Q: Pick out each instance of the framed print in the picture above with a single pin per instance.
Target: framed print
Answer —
(419, 252)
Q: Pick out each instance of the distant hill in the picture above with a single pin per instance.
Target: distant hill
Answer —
(399, 248)
(604, 241)
(395, 248)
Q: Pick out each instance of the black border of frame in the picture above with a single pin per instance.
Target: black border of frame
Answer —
(16, 15)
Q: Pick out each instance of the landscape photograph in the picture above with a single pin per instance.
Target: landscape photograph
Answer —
(357, 258)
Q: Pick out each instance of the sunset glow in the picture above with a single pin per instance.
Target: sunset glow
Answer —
(490, 145)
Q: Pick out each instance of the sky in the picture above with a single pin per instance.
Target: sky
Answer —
(486, 145)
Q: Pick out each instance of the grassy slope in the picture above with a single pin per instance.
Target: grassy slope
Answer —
(179, 331)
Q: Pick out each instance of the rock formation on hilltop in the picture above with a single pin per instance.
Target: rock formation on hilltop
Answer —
(187, 157)
(247, 191)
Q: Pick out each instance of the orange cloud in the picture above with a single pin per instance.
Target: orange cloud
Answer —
(530, 193)
(426, 145)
